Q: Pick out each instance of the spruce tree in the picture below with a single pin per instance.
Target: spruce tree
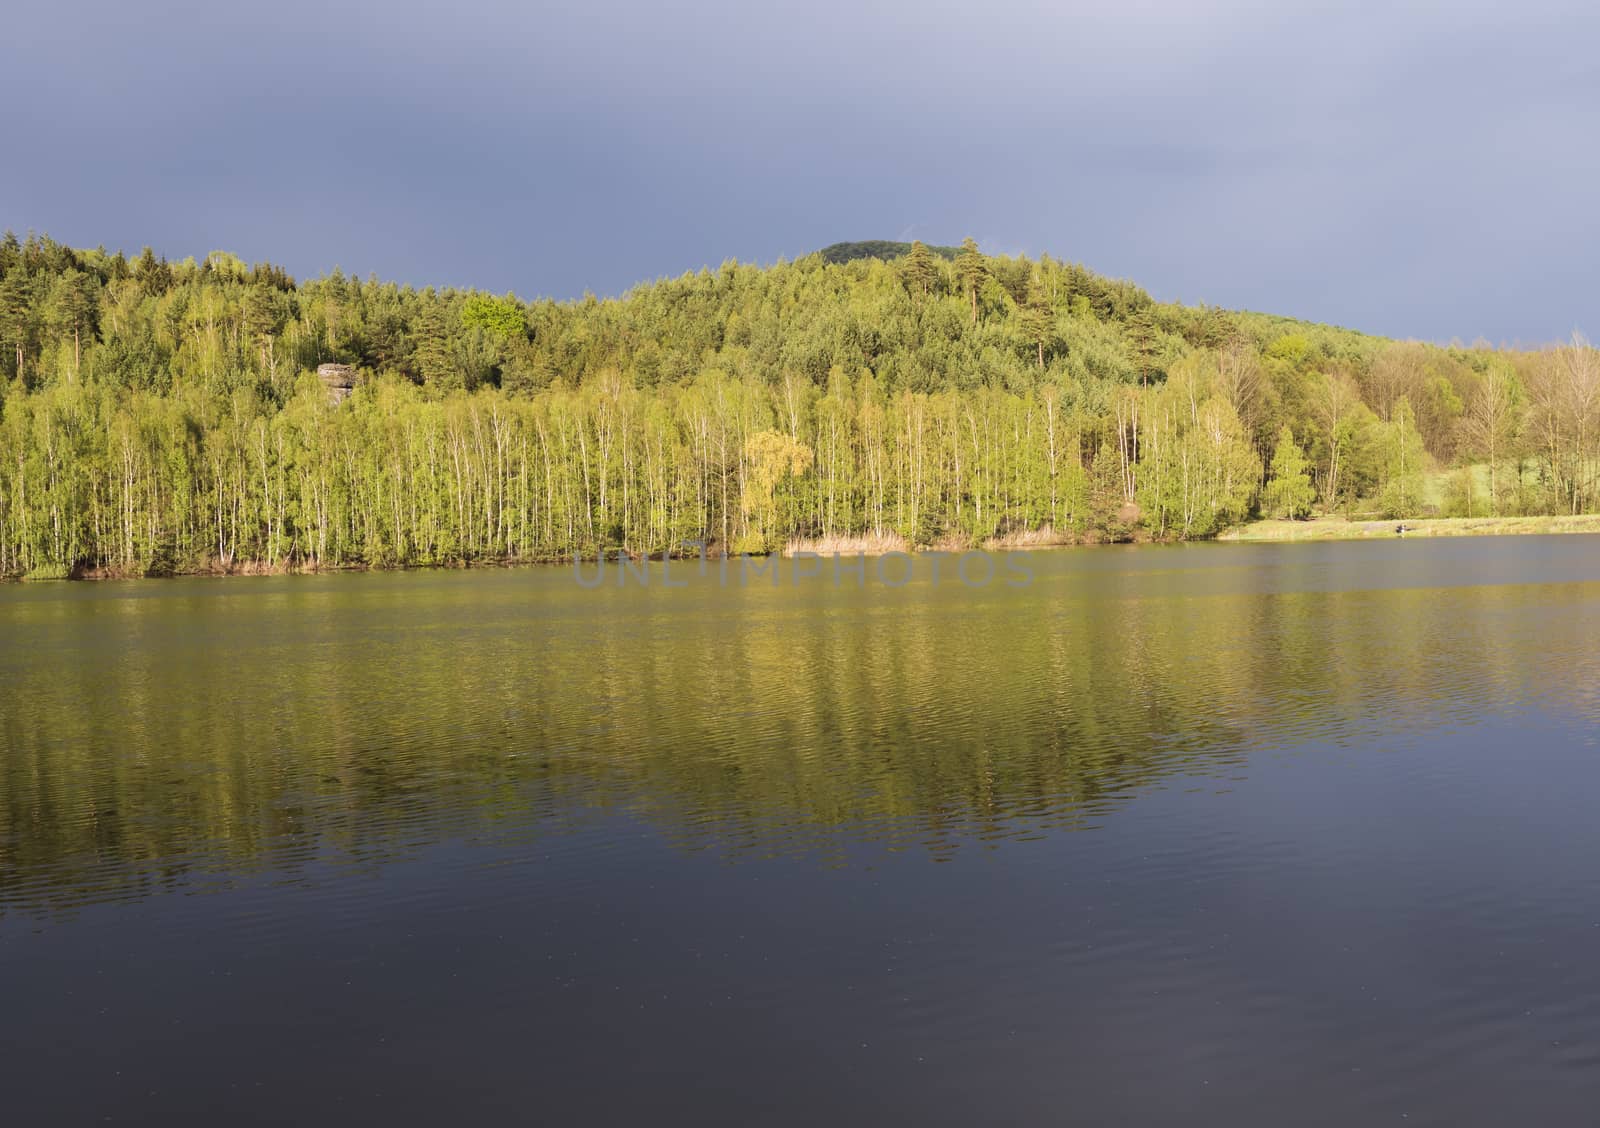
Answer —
(430, 360)
(154, 274)
(10, 251)
(1141, 336)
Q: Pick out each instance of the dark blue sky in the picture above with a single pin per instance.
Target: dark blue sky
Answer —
(1421, 170)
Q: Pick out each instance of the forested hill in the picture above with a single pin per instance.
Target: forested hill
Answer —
(166, 416)
(878, 248)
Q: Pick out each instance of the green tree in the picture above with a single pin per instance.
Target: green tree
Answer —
(1289, 491)
(919, 269)
(16, 315)
(73, 303)
(264, 313)
(1142, 343)
(973, 269)
(431, 359)
(502, 317)
(1403, 462)
(1037, 319)
(153, 274)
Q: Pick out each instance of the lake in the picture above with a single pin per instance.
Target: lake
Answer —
(1221, 834)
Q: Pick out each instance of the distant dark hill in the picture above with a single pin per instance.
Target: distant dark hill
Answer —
(879, 249)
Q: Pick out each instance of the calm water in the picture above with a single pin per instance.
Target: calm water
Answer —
(1298, 834)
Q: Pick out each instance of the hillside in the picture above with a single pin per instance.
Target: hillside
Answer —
(164, 416)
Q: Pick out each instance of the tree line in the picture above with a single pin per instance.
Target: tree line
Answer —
(162, 416)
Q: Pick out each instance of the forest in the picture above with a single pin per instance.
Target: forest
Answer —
(159, 417)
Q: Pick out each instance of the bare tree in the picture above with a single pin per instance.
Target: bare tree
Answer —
(1564, 418)
(1489, 427)
(1334, 401)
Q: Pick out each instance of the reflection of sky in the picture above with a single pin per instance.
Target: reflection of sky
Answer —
(1416, 169)
(1326, 936)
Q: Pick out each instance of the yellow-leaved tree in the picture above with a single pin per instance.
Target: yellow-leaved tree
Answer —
(768, 500)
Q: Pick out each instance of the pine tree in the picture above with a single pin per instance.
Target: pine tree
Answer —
(1290, 492)
(264, 314)
(919, 268)
(1037, 318)
(973, 269)
(16, 314)
(74, 300)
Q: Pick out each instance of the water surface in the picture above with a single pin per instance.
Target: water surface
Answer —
(1235, 834)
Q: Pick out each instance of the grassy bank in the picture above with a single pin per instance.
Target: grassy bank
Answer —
(867, 544)
(878, 544)
(1338, 528)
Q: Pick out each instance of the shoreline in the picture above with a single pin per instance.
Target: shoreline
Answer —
(1339, 528)
(1254, 532)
